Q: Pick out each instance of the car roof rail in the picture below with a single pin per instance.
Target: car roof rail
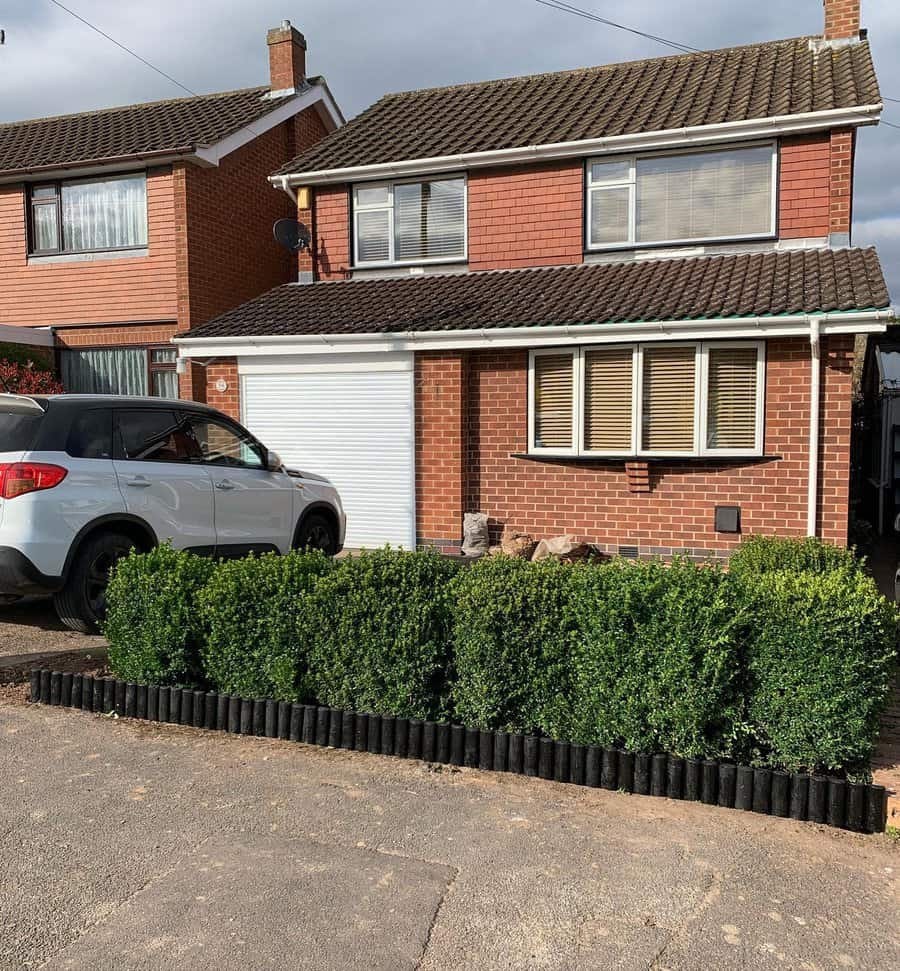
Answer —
(19, 403)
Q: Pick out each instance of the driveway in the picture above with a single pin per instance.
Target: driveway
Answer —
(131, 845)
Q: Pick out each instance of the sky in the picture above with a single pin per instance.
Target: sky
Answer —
(52, 64)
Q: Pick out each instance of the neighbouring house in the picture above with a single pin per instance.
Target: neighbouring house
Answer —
(120, 227)
(618, 302)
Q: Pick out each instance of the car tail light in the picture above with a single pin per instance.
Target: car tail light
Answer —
(18, 478)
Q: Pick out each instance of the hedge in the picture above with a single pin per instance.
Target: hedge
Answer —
(783, 660)
(152, 623)
(254, 644)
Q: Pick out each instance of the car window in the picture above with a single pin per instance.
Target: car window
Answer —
(17, 432)
(90, 436)
(155, 436)
(223, 444)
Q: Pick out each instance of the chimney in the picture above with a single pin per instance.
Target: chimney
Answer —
(842, 20)
(287, 57)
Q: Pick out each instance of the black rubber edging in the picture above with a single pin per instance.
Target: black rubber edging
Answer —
(829, 801)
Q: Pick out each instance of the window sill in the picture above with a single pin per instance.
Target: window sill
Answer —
(651, 459)
(113, 254)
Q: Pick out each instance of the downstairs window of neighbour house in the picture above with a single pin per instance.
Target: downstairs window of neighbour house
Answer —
(684, 399)
(121, 370)
(88, 215)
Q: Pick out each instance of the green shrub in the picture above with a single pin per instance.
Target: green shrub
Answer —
(152, 622)
(820, 660)
(767, 554)
(511, 645)
(378, 630)
(254, 646)
(656, 659)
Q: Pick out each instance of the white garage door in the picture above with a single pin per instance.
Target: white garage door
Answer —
(349, 418)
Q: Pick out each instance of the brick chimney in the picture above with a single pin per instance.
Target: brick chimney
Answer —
(842, 20)
(287, 57)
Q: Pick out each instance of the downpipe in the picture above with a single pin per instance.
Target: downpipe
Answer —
(815, 383)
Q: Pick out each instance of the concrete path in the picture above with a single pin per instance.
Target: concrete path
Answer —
(133, 846)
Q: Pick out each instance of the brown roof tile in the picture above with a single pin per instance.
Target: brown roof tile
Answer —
(736, 84)
(176, 126)
(747, 284)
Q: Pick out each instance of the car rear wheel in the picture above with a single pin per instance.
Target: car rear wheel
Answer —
(81, 604)
(317, 533)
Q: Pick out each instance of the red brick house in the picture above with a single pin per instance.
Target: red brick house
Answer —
(618, 302)
(120, 227)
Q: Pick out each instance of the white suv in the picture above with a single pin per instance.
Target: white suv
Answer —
(86, 478)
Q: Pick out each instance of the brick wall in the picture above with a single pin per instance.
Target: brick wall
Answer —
(99, 290)
(330, 221)
(597, 502)
(842, 19)
(526, 216)
(119, 335)
(804, 196)
(229, 401)
(842, 146)
(441, 404)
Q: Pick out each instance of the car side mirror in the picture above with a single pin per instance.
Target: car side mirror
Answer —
(273, 462)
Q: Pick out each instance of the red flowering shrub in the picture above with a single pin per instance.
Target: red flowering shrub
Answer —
(27, 379)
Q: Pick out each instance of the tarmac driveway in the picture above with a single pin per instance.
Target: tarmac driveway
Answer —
(130, 845)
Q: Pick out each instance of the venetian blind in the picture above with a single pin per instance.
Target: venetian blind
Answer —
(731, 416)
(669, 381)
(608, 399)
(706, 195)
(553, 398)
(430, 220)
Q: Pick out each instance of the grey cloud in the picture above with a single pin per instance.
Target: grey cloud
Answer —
(52, 64)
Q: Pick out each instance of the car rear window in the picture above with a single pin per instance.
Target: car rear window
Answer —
(18, 432)
(90, 436)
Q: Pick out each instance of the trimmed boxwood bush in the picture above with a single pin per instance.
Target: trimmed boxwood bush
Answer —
(767, 554)
(511, 644)
(254, 645)
(152, 621)
(656, 658)
(820, 659)
(378, 630)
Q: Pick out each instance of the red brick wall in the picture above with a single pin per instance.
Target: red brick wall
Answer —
(594, 501)
(441, 432)
(117, 336)
(229, 400)
(330, 221)
(843, 143)
(842, 19)
(99, 290)
(526, 216)
(815, 185)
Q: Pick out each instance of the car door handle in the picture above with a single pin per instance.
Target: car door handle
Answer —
(139, 482)
(225, 485)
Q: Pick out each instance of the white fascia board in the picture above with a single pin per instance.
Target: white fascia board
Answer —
(32, 336)
(316, 96)
(641, 141)
(744, 328)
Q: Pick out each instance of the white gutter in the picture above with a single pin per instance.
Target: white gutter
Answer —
(285, 185)
(745, 328)
(815, 382)
(665, 138)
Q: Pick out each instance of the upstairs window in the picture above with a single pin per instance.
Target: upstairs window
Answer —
(410, 222)
(88, 216)
(690, 399)
(681, 198)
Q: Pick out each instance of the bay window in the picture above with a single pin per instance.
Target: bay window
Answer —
(681, 197)
(409, 222)
(88, 215)
(679, 399)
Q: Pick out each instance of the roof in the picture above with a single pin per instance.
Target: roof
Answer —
(773, 79)
(742, 285)
(174, 127)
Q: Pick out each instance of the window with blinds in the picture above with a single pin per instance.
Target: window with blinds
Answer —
(608, 399)
(410, 222)
(554, 399)
(731, 405)
(683, 197)
(653, 399)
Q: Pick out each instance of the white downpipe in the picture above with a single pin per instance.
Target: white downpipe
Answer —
(815, 382)
(285, 184)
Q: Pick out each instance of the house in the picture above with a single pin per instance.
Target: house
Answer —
(618, 302)
(120, 227)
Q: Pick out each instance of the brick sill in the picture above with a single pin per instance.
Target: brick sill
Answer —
(650, 459)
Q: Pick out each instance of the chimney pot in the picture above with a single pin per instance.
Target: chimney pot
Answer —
(287, 57)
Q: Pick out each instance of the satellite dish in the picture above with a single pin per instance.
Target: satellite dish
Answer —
(291, 234)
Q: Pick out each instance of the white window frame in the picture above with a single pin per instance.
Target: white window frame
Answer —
(389, 208)
(591, 188)
(701, 401)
